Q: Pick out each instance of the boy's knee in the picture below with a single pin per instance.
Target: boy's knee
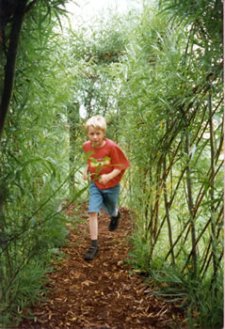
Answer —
(92, 215)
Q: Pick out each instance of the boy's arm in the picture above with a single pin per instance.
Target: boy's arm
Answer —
(105, 178)
(85, 173)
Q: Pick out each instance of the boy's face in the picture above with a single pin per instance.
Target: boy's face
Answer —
(96, 137)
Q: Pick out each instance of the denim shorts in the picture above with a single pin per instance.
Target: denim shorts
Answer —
(103, 199)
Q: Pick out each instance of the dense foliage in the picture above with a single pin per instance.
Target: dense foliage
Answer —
(157, 77)
(176, 116)
(35, 173)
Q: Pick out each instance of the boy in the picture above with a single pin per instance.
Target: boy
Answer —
(106, 165)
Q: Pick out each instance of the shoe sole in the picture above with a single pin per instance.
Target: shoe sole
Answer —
(89, 258)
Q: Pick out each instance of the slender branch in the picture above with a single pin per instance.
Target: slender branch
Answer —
(191, 205)
(167, 206)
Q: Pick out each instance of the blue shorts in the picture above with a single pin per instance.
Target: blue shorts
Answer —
(103, 199)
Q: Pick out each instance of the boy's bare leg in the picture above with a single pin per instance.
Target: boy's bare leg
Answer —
(93, 225)
(93, 230)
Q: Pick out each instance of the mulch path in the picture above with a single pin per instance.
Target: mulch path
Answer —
(104, 293)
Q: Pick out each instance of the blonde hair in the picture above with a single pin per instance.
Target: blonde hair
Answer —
(97, 122)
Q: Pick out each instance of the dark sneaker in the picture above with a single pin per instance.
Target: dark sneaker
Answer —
(114, 222)
(91, 253)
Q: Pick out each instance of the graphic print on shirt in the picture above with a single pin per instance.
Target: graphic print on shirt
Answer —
(100, 163)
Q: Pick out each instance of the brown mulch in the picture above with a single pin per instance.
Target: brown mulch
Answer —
(104, 293)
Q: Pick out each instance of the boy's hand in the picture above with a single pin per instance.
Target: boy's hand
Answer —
(85, 175)
(104, 179)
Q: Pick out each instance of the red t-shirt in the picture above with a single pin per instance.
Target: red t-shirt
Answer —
(103, 160)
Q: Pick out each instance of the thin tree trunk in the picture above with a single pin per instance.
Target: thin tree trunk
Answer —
(191, 205)
(11, 61)
(167, 207)
(212, 187)
(207, 257)
(73, 119)
(153, 224)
